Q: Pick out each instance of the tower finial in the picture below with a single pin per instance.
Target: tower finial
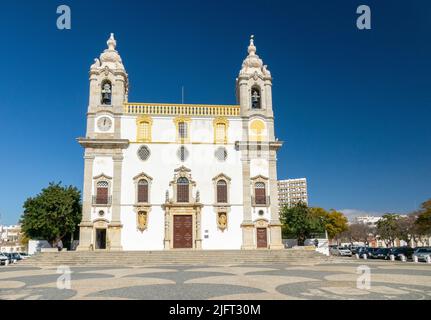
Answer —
(252, 47)
(112, 43)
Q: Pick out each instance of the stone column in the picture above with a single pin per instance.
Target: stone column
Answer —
(247, 224)
(198, 229)
(275, 225)
(115, 226)
(167, 233)
(86, 226)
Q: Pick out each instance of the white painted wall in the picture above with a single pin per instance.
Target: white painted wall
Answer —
(161, 165)
(164, 130)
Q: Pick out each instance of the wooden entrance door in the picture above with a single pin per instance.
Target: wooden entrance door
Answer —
(183, 231)
(262, 238)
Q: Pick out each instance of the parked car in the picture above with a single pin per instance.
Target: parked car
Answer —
(3, 259)
(8, 256)
(343, 251)
(16, 256)
(381, 253)
(355, 249)
(333, 250)
(24, 255)
(422, 253)
(12, 256)
(402, 251)
(360, 251)
(371, 251)
(366, 250)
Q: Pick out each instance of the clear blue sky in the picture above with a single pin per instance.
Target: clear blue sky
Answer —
(353, 107)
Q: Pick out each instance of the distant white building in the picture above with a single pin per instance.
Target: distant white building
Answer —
(370, 220)
(9, 233)
(292, 191)
(9, 239)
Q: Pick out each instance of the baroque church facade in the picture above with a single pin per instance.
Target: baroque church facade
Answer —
(161, 176)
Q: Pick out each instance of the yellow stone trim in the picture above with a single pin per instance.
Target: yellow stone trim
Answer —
(225, 122)
(182, 109)
(257, 130)
(139, 133)
(187, 121)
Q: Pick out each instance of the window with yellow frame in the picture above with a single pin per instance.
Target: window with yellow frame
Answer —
(182, 125)
(144, 125)
(220, 130)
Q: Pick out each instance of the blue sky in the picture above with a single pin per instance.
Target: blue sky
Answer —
(353, 107)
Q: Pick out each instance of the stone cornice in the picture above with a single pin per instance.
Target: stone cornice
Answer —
(272, 145)
(182, 205)
(103, 143)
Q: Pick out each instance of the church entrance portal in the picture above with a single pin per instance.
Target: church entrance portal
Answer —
(262, 238)
(100, 239)
(183, 231)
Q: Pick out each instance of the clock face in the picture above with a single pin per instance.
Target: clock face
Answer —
(104, 124)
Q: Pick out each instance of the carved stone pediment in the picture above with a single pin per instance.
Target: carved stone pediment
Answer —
(182, 172)
(261, 223)
(102, 176)
(221, 176)
(142, 175)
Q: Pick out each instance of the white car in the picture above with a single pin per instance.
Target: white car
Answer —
(3, 259)
(422, 253)
(342, 251)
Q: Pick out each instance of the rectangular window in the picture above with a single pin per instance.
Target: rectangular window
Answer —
(182, 193)
(146, 131)
(182, 130)
(220, 133)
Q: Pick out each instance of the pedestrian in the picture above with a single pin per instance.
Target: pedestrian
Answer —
(60, 245)
(316, 243)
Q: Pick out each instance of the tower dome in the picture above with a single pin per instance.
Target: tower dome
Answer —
(110, 57)
(253, 64)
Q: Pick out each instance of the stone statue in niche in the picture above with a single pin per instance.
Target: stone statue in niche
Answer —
(142, 220)
(222, 220)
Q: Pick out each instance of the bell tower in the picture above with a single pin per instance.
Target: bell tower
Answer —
(109, 85)
(258, 154)
(254, 90)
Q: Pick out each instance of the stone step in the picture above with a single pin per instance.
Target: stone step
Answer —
(138, 258)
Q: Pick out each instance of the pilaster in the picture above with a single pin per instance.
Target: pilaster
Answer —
(114, 231)
(275, 225)
(86, 227)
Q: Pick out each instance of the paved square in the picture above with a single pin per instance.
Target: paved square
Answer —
(336, 280)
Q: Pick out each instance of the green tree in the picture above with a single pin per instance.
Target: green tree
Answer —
(335, 223)
(388, 228)
(423, 221)
(52, 214)
(299, 222)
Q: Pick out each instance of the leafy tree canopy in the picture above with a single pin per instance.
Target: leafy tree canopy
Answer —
(53, 213)
(423, 221)
(301, 222)
(335, 223)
